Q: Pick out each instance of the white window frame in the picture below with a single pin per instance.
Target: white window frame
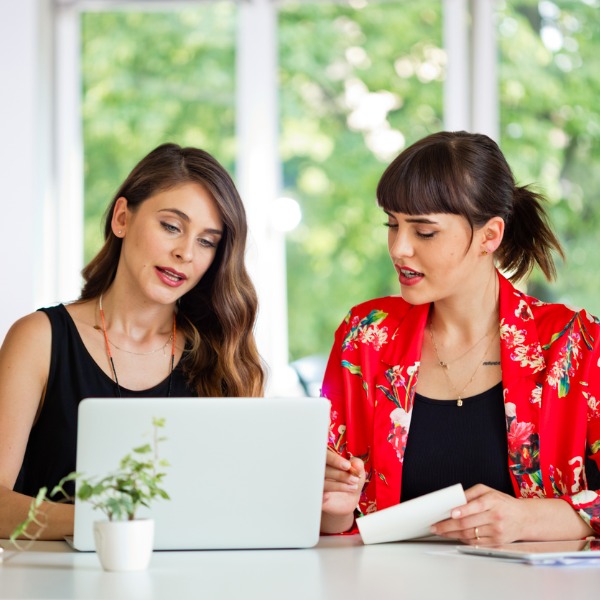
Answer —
(52, 147)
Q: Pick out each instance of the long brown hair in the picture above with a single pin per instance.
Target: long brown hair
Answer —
(217, 316)
(466, 174)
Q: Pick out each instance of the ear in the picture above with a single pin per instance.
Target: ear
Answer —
(491, 234)
(120, 216)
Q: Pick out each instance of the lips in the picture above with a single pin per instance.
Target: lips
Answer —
(170, 276)
(409, 276)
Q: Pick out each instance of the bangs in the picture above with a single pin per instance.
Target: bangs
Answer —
(424, 180)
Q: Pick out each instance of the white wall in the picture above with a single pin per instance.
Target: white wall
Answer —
(24, 158)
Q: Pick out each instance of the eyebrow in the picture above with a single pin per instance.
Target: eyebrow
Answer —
(185, 218)
(423, 220)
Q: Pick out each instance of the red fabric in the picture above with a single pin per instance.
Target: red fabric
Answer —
(551, 378)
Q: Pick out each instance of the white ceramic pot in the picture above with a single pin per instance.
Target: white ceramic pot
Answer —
(124, 545)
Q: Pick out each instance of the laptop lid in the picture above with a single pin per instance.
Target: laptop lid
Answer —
(244, 472)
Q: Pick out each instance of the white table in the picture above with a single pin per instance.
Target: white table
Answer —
(338, 567)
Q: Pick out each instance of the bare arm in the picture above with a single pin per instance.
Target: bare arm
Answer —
(24, 367)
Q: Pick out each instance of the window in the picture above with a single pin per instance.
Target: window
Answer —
(549, 60)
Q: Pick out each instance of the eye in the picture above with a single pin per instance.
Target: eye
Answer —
(169, 227)
(206, 243)
(426, 236)
(391, 225)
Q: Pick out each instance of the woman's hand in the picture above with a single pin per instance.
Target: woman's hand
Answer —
(344, 480)
(492, 517)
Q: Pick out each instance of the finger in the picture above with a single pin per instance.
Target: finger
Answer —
(357, 468)
(339, 486)
(334, 459)
(334, 474)
(478, 501)
(476, 491)
(459, 528)
(332, 504)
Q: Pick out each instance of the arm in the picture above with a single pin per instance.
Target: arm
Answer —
(500, 518)
(344, 475)
(24, 367)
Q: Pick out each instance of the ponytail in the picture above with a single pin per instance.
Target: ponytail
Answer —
(528, 239)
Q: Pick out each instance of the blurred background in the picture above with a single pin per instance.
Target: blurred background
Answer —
(305, 103)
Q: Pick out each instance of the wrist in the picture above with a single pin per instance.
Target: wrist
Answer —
(333, 524)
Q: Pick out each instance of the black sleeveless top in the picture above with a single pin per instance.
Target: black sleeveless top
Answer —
(450, 444)
(73, 376)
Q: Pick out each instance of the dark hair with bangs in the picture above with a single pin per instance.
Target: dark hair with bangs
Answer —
(466, 174)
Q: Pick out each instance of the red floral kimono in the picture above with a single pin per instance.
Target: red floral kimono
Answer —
(550, 358)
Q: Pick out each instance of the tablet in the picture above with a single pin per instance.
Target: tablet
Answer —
(540, 552)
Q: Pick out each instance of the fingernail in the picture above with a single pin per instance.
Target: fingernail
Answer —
(353, 479)
(433, 529)
(346, 466)
(456, 514)
(353, 486)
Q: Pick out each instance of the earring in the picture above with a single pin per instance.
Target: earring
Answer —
(120, 231)
(484, 252)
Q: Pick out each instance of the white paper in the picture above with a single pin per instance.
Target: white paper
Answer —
(411, 519)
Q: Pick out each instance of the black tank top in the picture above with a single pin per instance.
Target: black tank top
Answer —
(73, 376)
(448, 444)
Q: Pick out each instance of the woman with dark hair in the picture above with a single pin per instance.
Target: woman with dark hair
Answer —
(463, 378)
(167, 309)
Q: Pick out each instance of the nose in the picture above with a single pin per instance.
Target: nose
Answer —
(184, 250)
(399, 244)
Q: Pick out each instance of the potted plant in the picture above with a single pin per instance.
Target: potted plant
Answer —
(123, 542)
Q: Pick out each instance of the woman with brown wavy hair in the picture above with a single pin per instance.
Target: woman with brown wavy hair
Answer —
(167, 309)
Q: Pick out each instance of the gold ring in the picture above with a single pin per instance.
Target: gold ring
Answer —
(476, 533)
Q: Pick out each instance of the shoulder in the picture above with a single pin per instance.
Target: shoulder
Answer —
(522, 307)
(379, 308)
(34, 326)
(558, 325)
(552, 313)
(373, 321)
(27, 346)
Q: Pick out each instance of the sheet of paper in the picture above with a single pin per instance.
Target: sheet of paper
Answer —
(411, 519)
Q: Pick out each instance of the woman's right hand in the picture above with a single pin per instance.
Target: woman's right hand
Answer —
(344, 480)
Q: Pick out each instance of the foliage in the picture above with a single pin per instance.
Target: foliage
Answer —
(551, 127)
(358, 82)
(119, 495)
(149, 78)
(369, 82)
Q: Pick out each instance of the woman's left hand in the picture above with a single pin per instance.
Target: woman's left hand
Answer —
(488, 517)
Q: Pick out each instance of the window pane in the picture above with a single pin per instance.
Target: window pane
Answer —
(549, 65)
(149, 78)
(357, 85)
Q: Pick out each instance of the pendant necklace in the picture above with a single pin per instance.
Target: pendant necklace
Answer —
(445, 368)
(172, 338)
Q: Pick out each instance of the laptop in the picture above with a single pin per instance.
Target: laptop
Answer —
(244, 472)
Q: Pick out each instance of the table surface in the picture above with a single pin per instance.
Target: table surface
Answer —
(338, 567)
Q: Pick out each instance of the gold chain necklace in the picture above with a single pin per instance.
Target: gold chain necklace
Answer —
(445, 368)
(169, 339)
(173, 338)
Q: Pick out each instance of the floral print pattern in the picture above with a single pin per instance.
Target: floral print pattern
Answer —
(550, 357)
(366, 330)
(524, 453)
